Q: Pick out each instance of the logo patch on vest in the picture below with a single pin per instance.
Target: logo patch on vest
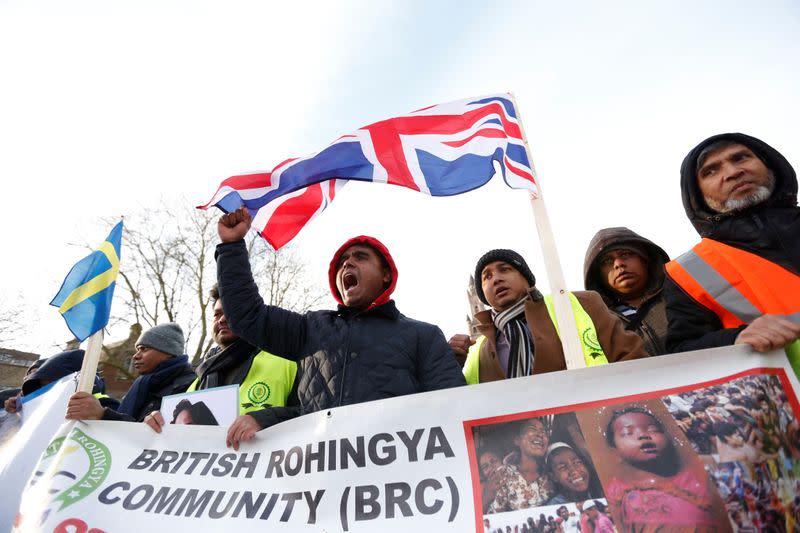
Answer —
(259, 393)
(589, 338)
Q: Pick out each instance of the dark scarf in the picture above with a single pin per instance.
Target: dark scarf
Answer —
(513, 325)
(147, 384)
(213, 370)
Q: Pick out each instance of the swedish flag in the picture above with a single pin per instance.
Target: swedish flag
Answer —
(84, 299)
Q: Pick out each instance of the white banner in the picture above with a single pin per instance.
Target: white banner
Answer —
(411, 463)
(42, 417)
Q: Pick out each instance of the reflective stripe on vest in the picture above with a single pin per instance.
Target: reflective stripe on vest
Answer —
(267, 384)
(593, 354)
(738, 286)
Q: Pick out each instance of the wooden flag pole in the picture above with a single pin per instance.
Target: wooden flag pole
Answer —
(568, 329)
(90, 360)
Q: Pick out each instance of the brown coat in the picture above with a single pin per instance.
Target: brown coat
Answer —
(618, 344)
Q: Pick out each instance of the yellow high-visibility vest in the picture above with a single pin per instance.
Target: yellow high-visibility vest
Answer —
(267, 384)
(593, 353)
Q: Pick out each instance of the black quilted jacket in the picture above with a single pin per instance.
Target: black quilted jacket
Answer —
(344, 357)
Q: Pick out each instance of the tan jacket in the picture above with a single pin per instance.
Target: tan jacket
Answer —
(618, 344)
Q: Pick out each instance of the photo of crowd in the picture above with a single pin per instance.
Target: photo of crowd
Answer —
(591, 516)
(747, 419)
(747, 434)
(760, 499)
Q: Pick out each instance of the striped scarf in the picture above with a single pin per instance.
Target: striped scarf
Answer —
(513, 325)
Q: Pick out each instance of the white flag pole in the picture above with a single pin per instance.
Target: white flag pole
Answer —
(568, 329)
(90, 360)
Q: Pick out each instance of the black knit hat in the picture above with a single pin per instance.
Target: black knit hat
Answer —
(508, 256)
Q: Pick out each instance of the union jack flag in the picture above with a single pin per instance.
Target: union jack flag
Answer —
(441, 150)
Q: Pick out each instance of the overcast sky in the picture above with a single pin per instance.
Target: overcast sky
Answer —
(105, 106)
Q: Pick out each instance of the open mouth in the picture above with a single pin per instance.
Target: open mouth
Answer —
(539, 443)
(578, 482)
(349, 280)
(649, 448)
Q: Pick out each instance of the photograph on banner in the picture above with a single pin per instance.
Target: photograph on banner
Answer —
(746, 432)
(711, 456)
(44, 418)
(562, 518)
(650, 472)
(210, 407)
(534, 462)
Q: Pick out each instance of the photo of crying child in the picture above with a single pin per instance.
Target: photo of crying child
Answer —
(652, 477)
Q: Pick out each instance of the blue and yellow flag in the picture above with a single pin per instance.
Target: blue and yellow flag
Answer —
(84, 299)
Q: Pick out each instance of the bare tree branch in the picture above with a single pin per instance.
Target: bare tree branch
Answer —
(168, 269)
(12, 326)
(281, 277)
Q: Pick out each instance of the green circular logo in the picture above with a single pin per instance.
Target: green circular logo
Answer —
(61, 464)
(258, 392)
(590, 339)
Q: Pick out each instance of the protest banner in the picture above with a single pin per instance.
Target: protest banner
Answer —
(42, 415)
(625, 442)
(9, 425)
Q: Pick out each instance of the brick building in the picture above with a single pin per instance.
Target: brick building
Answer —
(115, 363)
(13, 365)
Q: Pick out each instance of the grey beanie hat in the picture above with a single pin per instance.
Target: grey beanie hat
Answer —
(167, 338)
(508, 256)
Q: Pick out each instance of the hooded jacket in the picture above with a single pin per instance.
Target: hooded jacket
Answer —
(60, 365)
(770, 229)
(344, 356)
(650, 321)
